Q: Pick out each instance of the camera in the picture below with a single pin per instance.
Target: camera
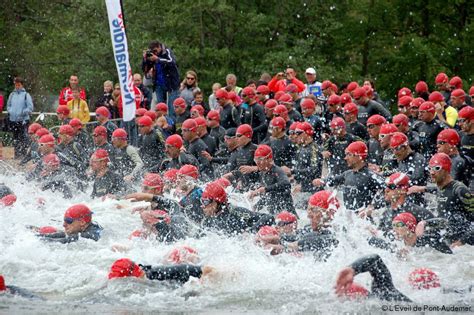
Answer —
(149, 53)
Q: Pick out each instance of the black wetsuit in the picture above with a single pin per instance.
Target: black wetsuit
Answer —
(195, 148)
(110, 126)
(61, 180)
(110, 183)
(460, 169)
(277, 196)
(321, 243)
(85, 140)
(308, 166)
(428, 133)
(211, 142)
(382, 285)
(14, 290)
(110, 150)
(128, 162)
(180, 119)
(375, 155)
(420, 213)
(372, 108)
(191, 205)
(5, 190)
(218, 133)
(456, 204)
(31, 154)
(337, 147)
(93, 232)
(183, 159)
(171, 232)
(318, 125)
(254, 115)
(151, 148)
(359, 188)
(240, 157)
(413, 140)
(232, 220)
(358, 130)
(163, 203)
(230, 117)
(177, 273)
(75, 156)
(295, 115)
(284, 151)
(389, 162)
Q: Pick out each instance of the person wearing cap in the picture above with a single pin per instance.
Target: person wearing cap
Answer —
(402, 122)
(442, 85)
(151, 143)
(428, 129)
(166, 228)
(253, 114)
(57, 177)
(279, 83)
(263, 92)
(396, 196)
(177, 157)
(31, 153)
(283, 149)
(106, 182)
(333, 110)
(63, 112)
(211, 142)
(128, 161)
(404, 227)
(222, 157)
(308, 159)
(175, 274)
(71, 149)
(334, 146)
(221, 216)
(413, 113)
(147, 94)
(78, 107)
(318, 237)
(368, 107)
(229, 115)
(81, 135)
(308, 110)
(275, 187)
(287, 100)
(458, 99)
(196, 146)
(77, 224)
(447, 142)
(353, 126)
(422, 90)
(382, 285)
(466, 124)
(312, 86)
(374, 123)
(66, 93)
(182, 113)
(359, 184)
(99, 136)
(445, 113)
(453, 199)
(241, 164)
(102, 115)
(389, 160)
(7, 197)
(164, 121)
(215, 129)
(269, 108)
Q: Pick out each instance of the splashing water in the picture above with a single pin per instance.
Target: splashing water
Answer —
(73, 277)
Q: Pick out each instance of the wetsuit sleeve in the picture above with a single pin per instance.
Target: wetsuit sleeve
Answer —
(261, 117)
(59, 237)
(382, 285)
(135, 157)
(180, 273)
(335, 180)
(282, 184)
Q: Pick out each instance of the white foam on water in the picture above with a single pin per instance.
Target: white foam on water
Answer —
(73, 277)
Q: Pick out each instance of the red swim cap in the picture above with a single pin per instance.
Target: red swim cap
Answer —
(286, 217)
(153, 180)
(441, 159)
(354, 292)
(66, 130)
(216, 192)
(267, 230)
(47, 230)
(436, 97)
(324, 199)
(450, 136)
(175, 141)
(2, 284)
(404, 91)
(125, 268)
(263, 151)
(401, 180)
(376, 120)
(102, 111)
(421, 87)
(161, 107)
(120, 133)
(76, 123)
(179, 102)
(189, 170)
(358, 148)
(423, 278)
(79, 211)
(145, 121)
(408, 219)
(183, 255)
(63, 109)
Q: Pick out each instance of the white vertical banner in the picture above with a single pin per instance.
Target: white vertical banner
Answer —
(119, 43)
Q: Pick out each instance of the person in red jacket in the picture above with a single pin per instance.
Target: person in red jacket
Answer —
(138, 101)
(66, 93)
(278, 83)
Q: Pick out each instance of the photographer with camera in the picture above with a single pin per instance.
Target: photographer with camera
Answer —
(160, 62)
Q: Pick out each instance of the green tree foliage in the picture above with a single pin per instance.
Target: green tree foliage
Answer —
(396, 42)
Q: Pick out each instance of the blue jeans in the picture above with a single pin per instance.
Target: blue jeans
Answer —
(162, 96)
